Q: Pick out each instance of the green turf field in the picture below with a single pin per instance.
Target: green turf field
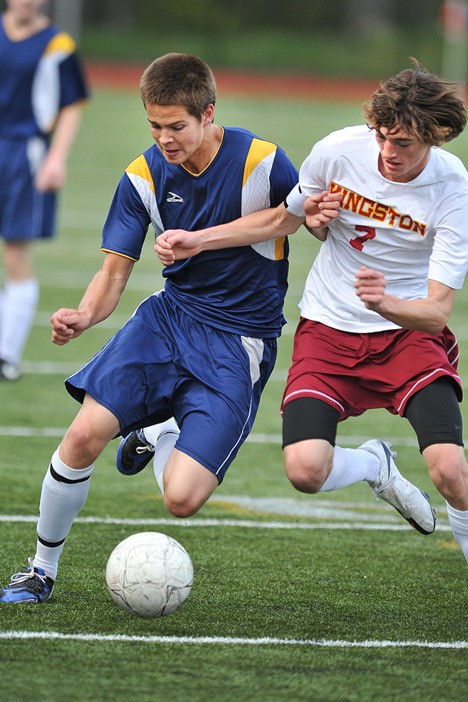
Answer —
(324, 598)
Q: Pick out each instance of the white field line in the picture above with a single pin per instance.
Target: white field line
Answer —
(237, 523)
(230, 641)
(323, 643)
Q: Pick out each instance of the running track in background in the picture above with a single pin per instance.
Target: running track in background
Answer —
(293, 85)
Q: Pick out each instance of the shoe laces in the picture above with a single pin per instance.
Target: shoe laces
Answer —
(146, 445)
(25, 573)
(142, 449)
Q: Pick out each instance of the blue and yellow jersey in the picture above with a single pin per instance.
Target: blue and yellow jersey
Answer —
(240, 289)
(38, 77)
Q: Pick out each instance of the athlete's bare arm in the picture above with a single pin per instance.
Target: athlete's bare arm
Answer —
(99, 301)
(272, 223)
(429, 314)
(52, 173)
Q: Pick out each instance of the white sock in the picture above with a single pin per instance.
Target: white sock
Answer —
(18, 310)
(458, 521)
(2, 304)
(351, 466)
(64, 492)
(163, 450)
(152, 433)
(163, 437)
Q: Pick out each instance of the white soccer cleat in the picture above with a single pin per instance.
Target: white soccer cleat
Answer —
(392, 487)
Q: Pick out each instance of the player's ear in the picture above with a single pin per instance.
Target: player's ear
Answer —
(208, 115)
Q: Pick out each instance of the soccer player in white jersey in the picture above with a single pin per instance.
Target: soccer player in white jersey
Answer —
(373, 329)
(194, 356)
(42, 91)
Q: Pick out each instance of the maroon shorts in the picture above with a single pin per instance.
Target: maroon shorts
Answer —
(357, 372)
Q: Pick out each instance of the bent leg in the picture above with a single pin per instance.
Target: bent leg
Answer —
(312, 461)
(313, 465)
(66, 484)
(309, 432)
(448, 470)
(89, 433)
(308, 463)
(434, 413)
(187, 484)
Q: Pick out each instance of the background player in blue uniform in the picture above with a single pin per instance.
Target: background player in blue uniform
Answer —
(42, 89)
(201, 350)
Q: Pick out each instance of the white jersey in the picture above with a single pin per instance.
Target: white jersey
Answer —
(411, 231)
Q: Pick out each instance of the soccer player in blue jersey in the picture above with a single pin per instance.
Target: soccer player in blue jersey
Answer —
(194, 357)
(42, 89)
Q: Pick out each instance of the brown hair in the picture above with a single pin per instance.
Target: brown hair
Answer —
(179, 79)
(421, 104)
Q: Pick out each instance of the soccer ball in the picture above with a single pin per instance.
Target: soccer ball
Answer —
(149, 574)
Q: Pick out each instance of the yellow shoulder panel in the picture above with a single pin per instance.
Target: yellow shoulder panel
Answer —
(139, 167)
(258, 151)
(61, 42)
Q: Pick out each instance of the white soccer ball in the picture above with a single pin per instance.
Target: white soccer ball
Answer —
(149, 574)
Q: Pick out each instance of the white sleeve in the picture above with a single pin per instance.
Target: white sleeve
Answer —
(294, 203)
(449, 258)
(312, 174)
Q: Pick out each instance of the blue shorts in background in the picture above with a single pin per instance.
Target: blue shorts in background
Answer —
(25, 213)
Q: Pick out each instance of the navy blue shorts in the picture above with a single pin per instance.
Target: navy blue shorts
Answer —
(25, 213)
(163, 363)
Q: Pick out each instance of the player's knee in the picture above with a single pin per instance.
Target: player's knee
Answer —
(447, 468)
(179, 505)
(79, 439)
(180, 509)
(444, 475)
(304, 471)
(187, 485)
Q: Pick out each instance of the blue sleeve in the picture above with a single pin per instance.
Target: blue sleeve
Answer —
(127, 222)
(73, 86)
